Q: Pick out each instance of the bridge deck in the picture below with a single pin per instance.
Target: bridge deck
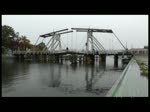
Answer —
(63, 52)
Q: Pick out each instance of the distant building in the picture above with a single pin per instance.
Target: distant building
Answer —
(145, 47)
(138, 51)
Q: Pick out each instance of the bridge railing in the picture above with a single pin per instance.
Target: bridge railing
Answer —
(73, 51)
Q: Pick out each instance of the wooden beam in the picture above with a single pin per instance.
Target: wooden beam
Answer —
(52, 33)
(92, 30)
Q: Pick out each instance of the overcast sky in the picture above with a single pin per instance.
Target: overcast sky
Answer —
(132, 29)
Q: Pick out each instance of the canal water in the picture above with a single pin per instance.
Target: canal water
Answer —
(33, 79)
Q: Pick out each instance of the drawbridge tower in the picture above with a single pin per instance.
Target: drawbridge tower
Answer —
(55, 40)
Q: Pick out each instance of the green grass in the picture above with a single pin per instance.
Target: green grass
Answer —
(144, 70)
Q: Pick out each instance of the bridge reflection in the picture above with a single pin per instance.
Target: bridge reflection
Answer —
(55, 76)
(92, 77)
(69, 81)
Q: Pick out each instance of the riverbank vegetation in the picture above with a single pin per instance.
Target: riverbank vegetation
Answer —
(143, 67)
(12, 41)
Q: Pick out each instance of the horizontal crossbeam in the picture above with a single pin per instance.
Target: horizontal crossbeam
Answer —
(65, 32)
(52, 33)
(92, 30)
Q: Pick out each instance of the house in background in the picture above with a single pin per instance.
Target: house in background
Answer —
(139, 50)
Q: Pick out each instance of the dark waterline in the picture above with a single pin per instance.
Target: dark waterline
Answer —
(47, 79)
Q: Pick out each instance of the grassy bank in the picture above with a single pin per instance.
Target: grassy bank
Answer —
(143, 66)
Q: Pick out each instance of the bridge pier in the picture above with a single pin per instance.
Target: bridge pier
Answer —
(48, 58)
(73, 59)
(86, 59)
(16, 56)
(122, 55)
(40, 57)
(103, 59)
(89, 59)
(92, 59)
(125, 61)
(22, 56)
(116, 60)
(29, 56)
(44, 57)
(80, 59)
(35, 57)
(51, 58)
(100, 59)
(66, 57)
(57, 58)
(96, 58)
(61, 59)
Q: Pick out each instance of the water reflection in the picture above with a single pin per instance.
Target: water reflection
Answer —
(32, 78)
(73, 66)
(55, 76)
(93, 76)
(12, 71)
(89, 78)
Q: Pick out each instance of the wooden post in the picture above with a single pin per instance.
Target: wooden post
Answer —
(57, 58)
(61, 59)
(116, 60)
(92, 59)
(103, 59)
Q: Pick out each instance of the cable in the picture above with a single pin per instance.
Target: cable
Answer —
(76, 40)
(95, 45)
(67, 39)
(112, 44)
(71, 40)
(99, 44)
(47, 44)
(82, 41)
(120, 41)
(52, 44)
(37, 40)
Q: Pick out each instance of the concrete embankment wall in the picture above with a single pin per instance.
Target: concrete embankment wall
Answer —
(116, 86)
(130, 83)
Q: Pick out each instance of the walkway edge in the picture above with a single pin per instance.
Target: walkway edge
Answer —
(112, 92)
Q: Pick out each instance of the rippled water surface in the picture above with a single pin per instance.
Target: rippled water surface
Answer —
(47, 79)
